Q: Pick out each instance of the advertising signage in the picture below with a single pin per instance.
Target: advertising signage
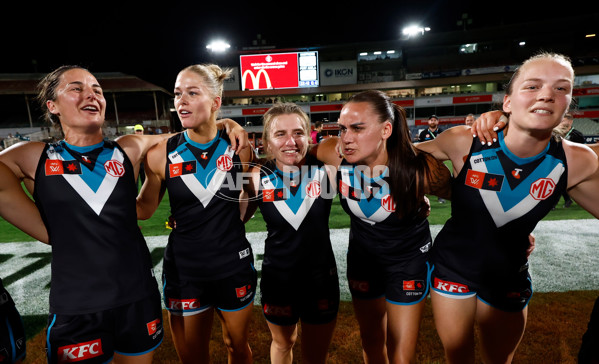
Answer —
(279, 70)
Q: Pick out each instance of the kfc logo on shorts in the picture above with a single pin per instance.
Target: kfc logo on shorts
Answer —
(451, 287)
(359, 286)
(183, 304)
(81, 351)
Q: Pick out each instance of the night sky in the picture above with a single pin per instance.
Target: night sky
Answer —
(154, 42)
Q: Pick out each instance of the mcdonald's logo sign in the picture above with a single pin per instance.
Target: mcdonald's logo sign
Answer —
(255, 79)
(269, 71)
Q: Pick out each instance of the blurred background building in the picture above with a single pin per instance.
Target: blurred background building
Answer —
(449, 74)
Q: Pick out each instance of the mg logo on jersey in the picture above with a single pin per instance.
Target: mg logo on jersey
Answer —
(542, 188)
(189, 304)
(114, 168)
(450, 286)
(224, 163)
(255, 79)
(313, 189)
(387, 203)
(81, 351)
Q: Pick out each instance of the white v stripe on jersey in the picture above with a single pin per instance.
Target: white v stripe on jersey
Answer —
(494, 206)
(295, 219)
(379, 215)
(95, 200)
(204, 195)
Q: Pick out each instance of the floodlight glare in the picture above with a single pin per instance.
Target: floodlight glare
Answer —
(413, 30)
(218, 46)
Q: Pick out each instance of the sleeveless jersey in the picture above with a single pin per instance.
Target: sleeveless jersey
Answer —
(86, 197)
(204, 184)
(296, 210)
(374, 224)
(498, 198)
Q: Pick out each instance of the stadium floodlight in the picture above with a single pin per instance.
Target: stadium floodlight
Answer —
(218, 46)
(414, 30)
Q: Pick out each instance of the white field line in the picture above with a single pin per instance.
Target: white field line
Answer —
(566, 258)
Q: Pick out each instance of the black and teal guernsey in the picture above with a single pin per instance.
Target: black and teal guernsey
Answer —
(86, 197)
(374, 224)
(497, 200)
(204, 182)
(296, 208)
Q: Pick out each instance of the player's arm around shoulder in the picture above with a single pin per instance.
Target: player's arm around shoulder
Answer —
(248, 158)
(453, 144)
(583, 175)
(136, 146)
(438, 181)
(153, 189)
(237, 134)
(250, 194)
(328, 151)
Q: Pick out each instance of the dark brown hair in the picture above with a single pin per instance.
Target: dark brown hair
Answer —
(408, 169)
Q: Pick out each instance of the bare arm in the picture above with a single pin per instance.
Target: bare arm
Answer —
(439, 183)
(237, 134)
(22, 159)
(453, 144)
(583, 175)
(250, 205)
(248, 158)
(153, 188)
(327, 151)
(17, 208)
(136, 146)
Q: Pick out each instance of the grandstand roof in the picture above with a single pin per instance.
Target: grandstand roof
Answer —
(25, 83)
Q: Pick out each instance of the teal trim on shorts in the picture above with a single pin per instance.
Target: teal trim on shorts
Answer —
(429, 272)
(143, 352)
(241, 308)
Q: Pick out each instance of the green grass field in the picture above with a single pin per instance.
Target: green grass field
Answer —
(338, 219)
